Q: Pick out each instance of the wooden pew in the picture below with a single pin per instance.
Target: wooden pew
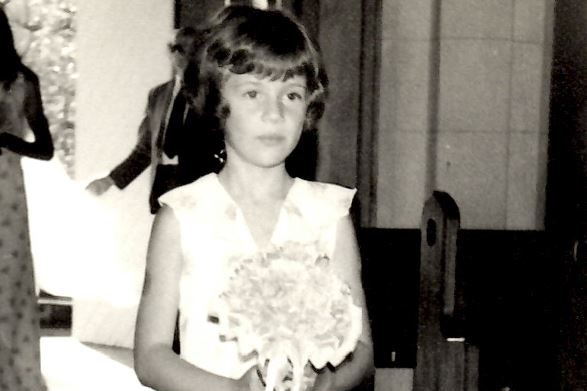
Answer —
(446, 360)
(506, 301)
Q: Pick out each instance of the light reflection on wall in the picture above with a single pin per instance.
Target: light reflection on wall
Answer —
(44, 32)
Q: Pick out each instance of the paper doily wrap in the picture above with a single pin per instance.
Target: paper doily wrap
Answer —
(289, 307)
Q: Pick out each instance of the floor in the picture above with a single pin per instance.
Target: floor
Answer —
(69, 365)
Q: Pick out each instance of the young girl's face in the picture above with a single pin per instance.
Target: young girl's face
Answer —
(266, 117)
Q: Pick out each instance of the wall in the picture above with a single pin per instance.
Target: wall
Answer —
(121, 55)
(464, 108)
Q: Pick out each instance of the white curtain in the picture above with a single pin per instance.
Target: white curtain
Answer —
(81, 246)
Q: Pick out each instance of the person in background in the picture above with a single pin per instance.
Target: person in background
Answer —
(21, 109)
(261, 80)
(169, 124)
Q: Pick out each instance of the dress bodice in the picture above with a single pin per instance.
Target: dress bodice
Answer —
(213, 231)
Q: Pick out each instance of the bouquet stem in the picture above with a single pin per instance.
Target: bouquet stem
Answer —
(278, 369)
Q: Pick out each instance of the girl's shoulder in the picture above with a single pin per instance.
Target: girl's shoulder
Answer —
(200, 194)
(322, 200)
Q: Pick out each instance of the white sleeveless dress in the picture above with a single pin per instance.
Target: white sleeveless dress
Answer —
(213, 230)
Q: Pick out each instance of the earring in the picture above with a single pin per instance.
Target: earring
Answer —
(221, 156)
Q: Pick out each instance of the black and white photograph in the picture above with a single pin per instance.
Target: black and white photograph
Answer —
(293, 195)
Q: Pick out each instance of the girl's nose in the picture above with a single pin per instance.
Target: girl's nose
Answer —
(273, 109)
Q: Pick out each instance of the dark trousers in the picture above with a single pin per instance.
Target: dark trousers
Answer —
(167, 177)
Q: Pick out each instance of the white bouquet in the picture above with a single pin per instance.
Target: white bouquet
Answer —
(287, 306)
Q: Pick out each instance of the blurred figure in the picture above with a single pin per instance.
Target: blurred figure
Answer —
(168, 126)
(20, 109)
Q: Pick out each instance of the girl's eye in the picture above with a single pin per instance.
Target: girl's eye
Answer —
(251, 94)
(294, 96)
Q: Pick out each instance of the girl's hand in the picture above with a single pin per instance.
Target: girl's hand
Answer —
(309, 381)
(251, 381)
(100, 186)
(324, 381)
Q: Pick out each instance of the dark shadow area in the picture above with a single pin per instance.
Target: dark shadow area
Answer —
(510, 285)
(391, 259)
(303, 160)
(566, 202)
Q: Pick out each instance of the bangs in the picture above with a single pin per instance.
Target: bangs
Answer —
(264, 64)
(274, 68)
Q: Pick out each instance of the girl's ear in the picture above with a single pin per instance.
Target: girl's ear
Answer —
(223, 110)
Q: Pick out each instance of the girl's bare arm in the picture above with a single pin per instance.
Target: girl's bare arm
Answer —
(156, 365)
(347, 263)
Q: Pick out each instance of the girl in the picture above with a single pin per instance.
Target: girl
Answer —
(260, 79)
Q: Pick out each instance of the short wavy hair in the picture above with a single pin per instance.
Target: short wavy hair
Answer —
(246, 40)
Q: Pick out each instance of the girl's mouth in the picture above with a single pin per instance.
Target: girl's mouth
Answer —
(271, 139)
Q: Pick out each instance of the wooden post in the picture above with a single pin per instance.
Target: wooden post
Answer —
(445, 361)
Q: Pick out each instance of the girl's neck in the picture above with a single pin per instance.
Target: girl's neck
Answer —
(256, 184)
(259, 194)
